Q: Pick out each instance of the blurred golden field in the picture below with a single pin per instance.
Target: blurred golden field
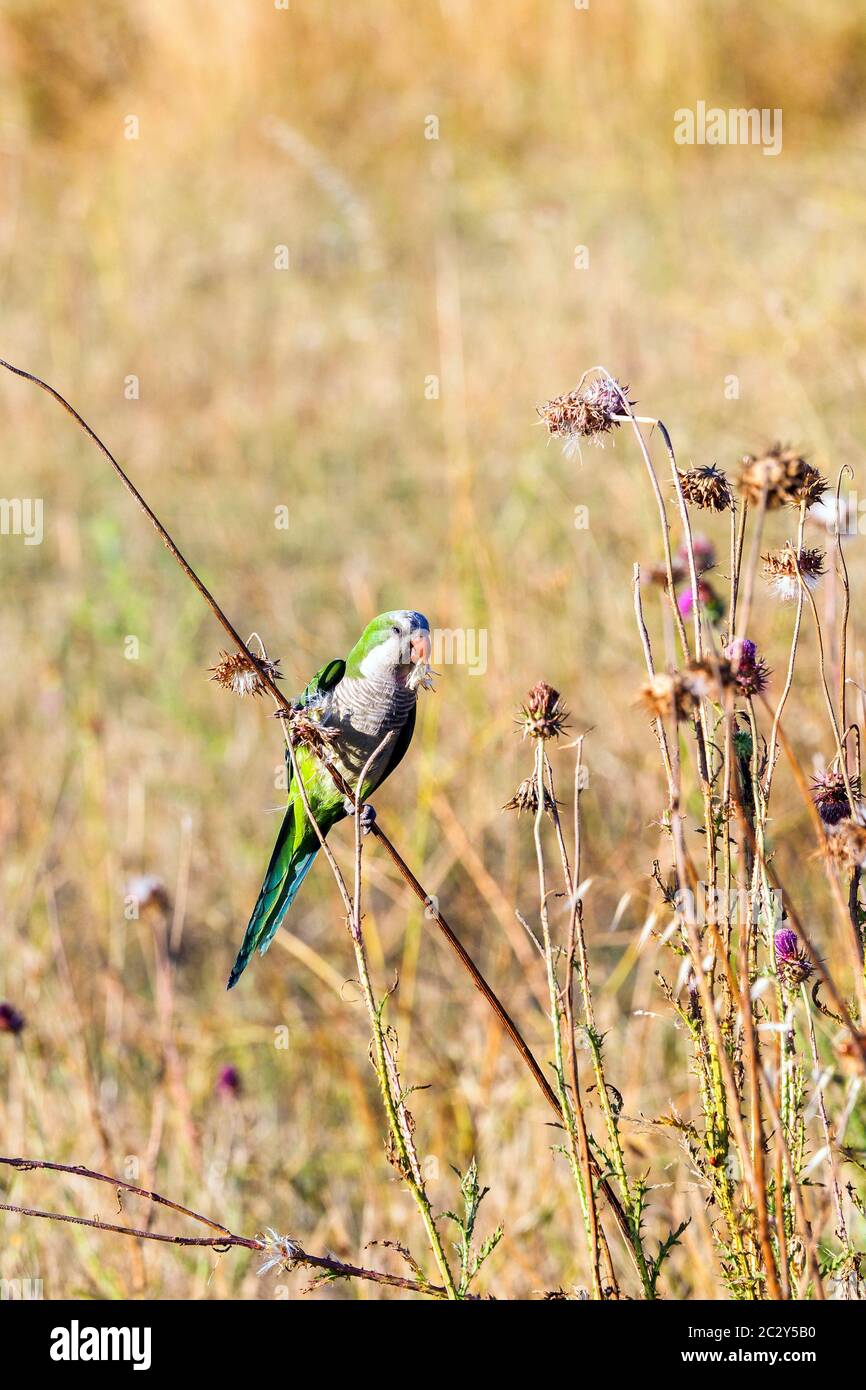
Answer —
(309, 388)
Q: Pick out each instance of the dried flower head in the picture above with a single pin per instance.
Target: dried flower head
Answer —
(544, 715)
(526, 798)
(749, 672)
(780, 571)
(707, 487)
(783, 475)
(241, 676)
(830, 795)
(846, 845)
(11, 1021)
(306, 728)
(147, 891)
(586, 414)
(793, 966)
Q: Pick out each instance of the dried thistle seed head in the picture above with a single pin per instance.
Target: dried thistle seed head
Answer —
(11, 1021)
(707, 487)
(586, 414)
(305, 728)
(780, 571)
(664, 695)
(784, 475)
(793, 966)
(526, 798)
(544, 715)
(830, 795)
(749, 672)
(242, 676)
(846, 845)
(147, 891)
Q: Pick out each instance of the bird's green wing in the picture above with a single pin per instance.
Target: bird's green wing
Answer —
(330, 675)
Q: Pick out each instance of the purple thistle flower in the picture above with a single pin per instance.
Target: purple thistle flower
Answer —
(793, 966)
(751, 673)
(11, 1021)
(229, 1083)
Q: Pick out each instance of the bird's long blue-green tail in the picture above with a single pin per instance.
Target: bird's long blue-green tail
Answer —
(289, 865)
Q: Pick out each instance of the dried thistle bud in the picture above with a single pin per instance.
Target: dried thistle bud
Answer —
(830, 795)
(708, 488)
(846, 846)
(305, 728)
(11, 1021)
(242, 676)
(793, 966)
(544, 715)
(780, 571)
(586, 414)
(784, 475)
(526, 798)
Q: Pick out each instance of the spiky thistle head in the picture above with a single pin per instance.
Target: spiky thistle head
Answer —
(587, 413)
(544, 714)
(793, 965)
(781, 566)
(783, 475)
(708, 488)
(306, 728)
(830, 795)
(750, 674)
(708, 600)
(240, 675)
(526, 798)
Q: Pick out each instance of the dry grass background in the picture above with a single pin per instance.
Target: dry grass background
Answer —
(409, 257)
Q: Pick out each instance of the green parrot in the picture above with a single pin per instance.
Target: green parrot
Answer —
(364, 698)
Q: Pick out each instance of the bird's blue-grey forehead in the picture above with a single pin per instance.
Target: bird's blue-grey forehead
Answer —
(416, 621)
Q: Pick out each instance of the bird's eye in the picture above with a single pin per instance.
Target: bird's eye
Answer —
(395, 629)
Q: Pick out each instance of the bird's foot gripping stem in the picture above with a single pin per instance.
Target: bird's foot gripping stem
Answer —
(368, 814)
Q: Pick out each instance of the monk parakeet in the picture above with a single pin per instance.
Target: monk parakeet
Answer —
(363, 698)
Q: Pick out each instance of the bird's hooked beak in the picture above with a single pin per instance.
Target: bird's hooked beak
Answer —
(420, 647)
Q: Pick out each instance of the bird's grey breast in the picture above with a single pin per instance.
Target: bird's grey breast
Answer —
(366, 709)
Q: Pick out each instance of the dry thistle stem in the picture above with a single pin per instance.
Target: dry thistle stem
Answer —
(786, 477)
(793, 966)
(780, 571)
(241, 676)
(544, 715)
(526, 798)
(830, 795)
(586, 414)
(708, 488)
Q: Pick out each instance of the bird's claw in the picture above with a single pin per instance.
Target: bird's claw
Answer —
(368, 814)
